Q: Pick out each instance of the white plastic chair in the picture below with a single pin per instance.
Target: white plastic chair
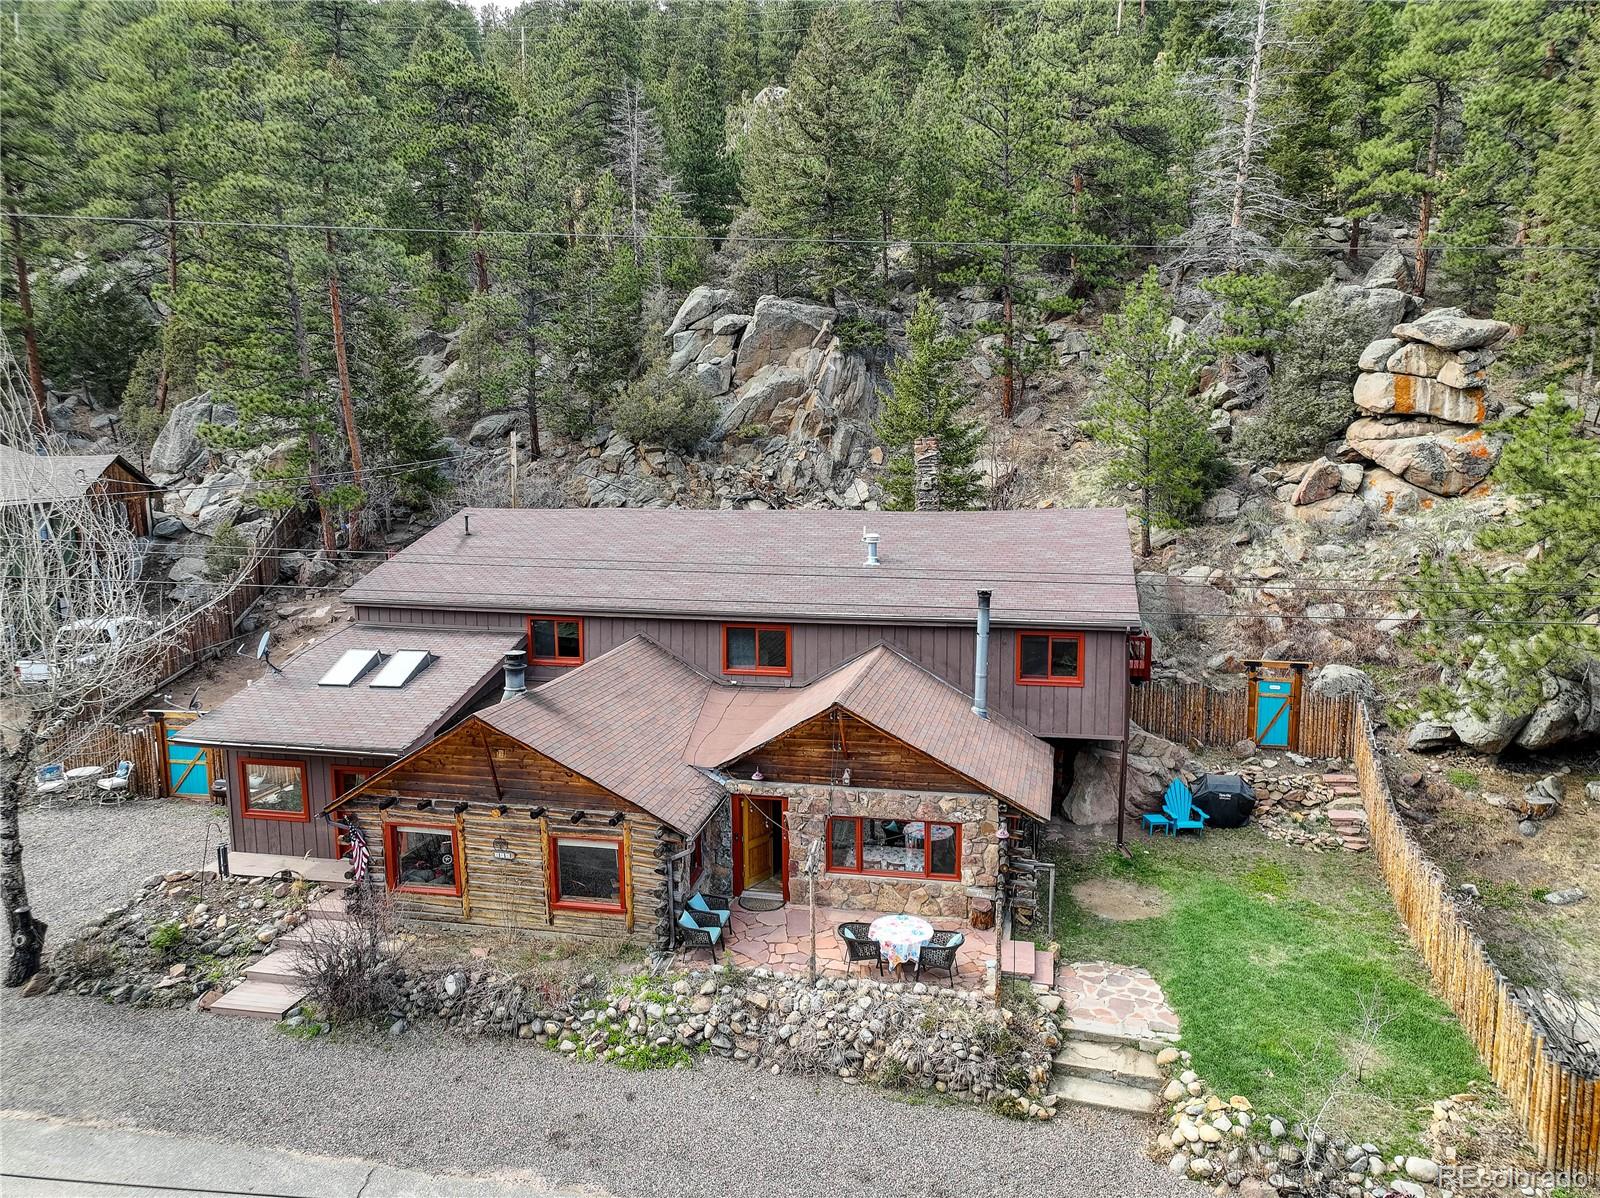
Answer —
(51, 779)
(116, 785)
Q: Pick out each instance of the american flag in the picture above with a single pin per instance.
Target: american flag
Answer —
(358, 852)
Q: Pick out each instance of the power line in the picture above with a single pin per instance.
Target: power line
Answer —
(765, 239)
(164, 1187)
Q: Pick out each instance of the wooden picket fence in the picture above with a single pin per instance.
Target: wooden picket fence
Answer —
(1193, 711)
(1554, 1091)
(106, 744)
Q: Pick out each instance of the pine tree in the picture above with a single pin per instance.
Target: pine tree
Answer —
(999, 201)
(446, 111)
(1407, 159)
(740, 66)
(696, 154)
(134, 121)
(1145, 411)
(806, 165)
(928, 137)
(928, 398)
(1498, 630)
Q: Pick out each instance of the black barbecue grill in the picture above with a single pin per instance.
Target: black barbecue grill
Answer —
(1227, 800)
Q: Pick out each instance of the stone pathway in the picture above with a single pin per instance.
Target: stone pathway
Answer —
(1115, 1000)
(780, 940)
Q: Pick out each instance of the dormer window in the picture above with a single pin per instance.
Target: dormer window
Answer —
(761, 649)
(555, 641)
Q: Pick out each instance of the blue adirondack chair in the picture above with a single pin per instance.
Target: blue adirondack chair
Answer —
(1178, 806)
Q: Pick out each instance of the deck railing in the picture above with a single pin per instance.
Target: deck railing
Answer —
(1554, 1090)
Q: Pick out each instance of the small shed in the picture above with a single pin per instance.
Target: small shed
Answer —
(44, 480)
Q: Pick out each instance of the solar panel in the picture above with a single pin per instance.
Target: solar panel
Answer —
(351, 665)
(400, 669)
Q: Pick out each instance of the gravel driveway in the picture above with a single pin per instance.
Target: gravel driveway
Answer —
(442, 1104)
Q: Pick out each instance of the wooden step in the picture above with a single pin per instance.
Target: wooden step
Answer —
(1017, 958)
(258, 1000)
(1120, 1064)
(1110, 1096)
(282, 965)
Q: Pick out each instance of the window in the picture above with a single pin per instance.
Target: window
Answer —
(756, 649)
(273, 789)
(345, 779)
(588, 875)
(910, 848)
(422, 859)
(697, 859)
(1050, 658)
(555, 641)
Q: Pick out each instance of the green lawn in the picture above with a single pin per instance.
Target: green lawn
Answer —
(1269, 954)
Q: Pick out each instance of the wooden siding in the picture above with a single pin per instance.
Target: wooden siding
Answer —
(288, 837)
(812, 753)
(512, 894)
(120, 487)
(1090, 712)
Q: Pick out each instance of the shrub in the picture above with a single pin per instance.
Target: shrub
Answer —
(167, 936)
(89, 959)
(657, 410)
(343, 961)
(226, 553)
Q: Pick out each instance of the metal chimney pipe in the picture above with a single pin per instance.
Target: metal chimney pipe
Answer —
(516, 671)
(980, 674)
(870, 540)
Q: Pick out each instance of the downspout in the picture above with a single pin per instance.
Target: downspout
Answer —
(980, 676)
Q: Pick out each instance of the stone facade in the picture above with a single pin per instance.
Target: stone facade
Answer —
(811, 805)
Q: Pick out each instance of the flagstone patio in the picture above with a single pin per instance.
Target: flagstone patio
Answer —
(1116, 1000)
(780, 940)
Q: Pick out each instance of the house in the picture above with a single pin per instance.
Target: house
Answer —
(29, 480)
(734, 702)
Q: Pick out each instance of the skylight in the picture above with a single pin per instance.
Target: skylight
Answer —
(351, 665)
(400, 669)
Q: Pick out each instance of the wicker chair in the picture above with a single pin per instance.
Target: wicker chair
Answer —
(700, 929)
(940, 953)
(859, 945)
(711, 904)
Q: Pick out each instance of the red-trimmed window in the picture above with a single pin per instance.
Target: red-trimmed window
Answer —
(757, 649)
(273, 789)
(555, 641)
(345, 779)
(1050, 658)
(697, 859)
(587, 875)
(893, 848)
(422, 858)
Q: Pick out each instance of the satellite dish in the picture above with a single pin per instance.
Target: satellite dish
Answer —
(261, 646)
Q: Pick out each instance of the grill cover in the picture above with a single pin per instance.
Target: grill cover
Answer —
(1226, 798)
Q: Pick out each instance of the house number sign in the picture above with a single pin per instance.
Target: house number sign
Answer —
(503, 850)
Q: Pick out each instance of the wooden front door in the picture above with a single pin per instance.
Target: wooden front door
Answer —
(757, 842)
(760, 843)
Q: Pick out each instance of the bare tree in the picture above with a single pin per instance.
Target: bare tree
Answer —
(76, 638)
(1237, 203)
(638, 152)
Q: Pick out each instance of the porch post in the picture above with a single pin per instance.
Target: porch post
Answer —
(1122, 766)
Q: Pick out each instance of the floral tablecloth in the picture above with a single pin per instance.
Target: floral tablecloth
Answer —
(902, 937)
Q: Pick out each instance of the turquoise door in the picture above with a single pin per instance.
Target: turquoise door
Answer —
(1272, 714)
(186, 768)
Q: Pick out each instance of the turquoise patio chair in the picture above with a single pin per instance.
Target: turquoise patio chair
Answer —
(719, 910)
(1178, 806)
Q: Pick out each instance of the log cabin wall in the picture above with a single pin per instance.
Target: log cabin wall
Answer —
(822, 748)
(512, 890)
(310, 837)
(1093, 711)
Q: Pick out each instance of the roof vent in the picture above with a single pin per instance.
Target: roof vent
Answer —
(351, 665)
(870, 540)
(400, 669)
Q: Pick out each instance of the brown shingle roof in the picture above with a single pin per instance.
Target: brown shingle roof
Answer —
(646, 726)
(623, 721)
(290, 711)
(891, 692)
(1066, 567)
(50, 478)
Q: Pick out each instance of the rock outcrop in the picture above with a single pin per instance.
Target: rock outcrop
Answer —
(1153, 763)
(1565, 706)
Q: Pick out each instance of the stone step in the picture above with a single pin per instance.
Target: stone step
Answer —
(1077, 1028)
(258, 1000)
(1121, 1064)
(327, 906)
(282, 965)
(1017, 958)
(1106, 1095)
(1044, 969)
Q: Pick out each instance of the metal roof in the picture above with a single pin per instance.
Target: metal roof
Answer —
(27, 478)
(1069, 567)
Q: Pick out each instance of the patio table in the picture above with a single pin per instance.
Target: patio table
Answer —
(902, 937)
(82, 778)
